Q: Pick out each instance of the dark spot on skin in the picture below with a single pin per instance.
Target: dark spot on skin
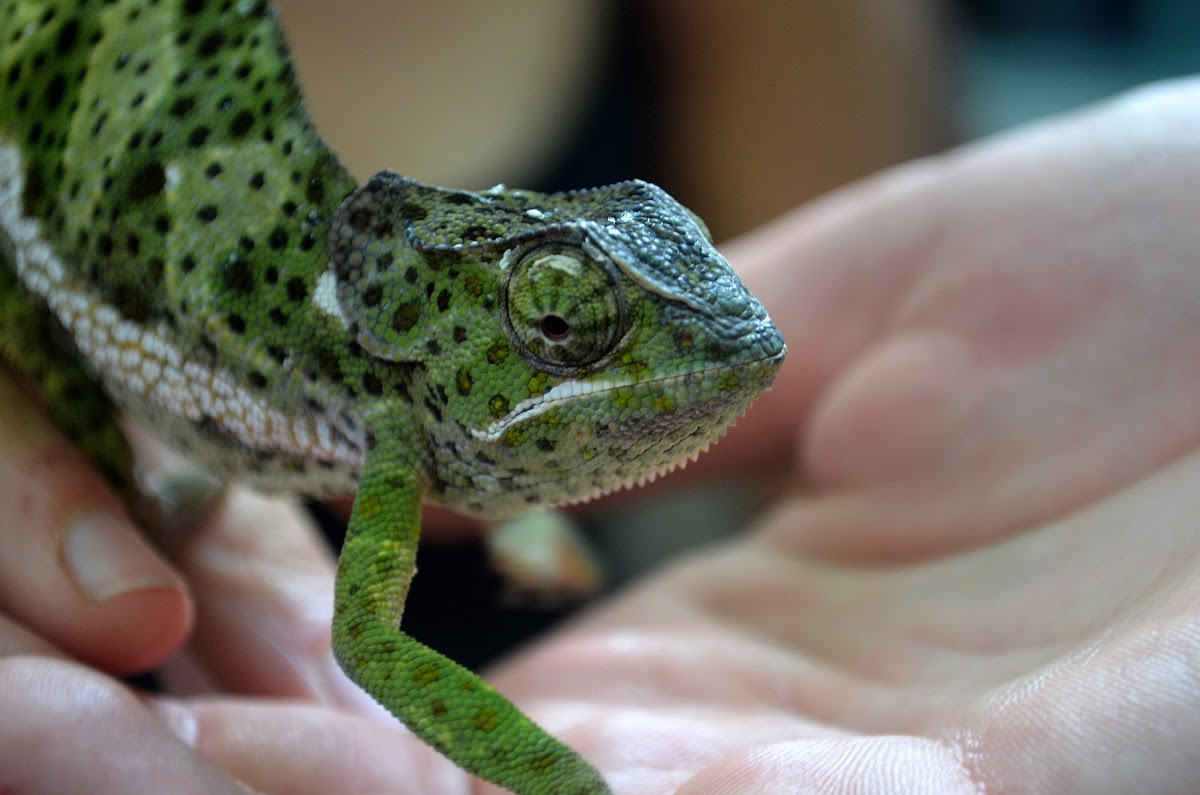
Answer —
(55, 91)
(497, 353)
(147, 182)
(463, 382)
(278, 317)
(271, 274)
(413, 210)
(277, 352)
(246, 243)
(434, 347)
(373, 295)
(442, 396)
(289, 208)
(212, 170)
(474, 233)
(359, 219)
(182, 107)
(162, 224)
(238, 276)
(315, 192)
(278, 239)
(406, 316)
(237, 324)
(328, 363)
(68, 34)
(188, 263)
(210, 44)
(498, 405)
(410, 275)
(545, 445)
(241, 124)
(207, 213)
(257, 180)
(459, 334)
(197, 137)
(296, 289)
(257, 379)
(372, 385)
(443, 300)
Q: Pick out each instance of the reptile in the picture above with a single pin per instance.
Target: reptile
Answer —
(180, 246)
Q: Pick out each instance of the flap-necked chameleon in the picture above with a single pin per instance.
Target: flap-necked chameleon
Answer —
(181, 246)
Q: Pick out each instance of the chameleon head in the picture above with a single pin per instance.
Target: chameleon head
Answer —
(558, 346)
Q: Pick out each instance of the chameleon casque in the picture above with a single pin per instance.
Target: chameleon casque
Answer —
(180, 245)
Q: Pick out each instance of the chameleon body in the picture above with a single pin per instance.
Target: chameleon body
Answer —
(180, 245)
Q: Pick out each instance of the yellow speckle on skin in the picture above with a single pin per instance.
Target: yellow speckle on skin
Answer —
(427, 675)
(369, 506)
(664, 405)
(486, 720)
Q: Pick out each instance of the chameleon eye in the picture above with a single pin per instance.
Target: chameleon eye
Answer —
(563, 310)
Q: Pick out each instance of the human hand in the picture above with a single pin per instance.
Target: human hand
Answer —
(987, 579)
(84, 599)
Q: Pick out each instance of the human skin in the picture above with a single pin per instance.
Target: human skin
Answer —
(983, 575)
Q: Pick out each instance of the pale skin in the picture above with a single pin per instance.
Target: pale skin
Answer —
(985, 578)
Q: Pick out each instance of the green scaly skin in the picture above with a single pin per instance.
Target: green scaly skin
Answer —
(180, 245)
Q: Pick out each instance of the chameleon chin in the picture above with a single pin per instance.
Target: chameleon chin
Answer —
(180, 245)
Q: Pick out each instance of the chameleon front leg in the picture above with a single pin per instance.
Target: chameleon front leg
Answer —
(439, 700)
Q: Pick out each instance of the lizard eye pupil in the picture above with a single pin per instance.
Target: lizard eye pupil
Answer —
(554, 328)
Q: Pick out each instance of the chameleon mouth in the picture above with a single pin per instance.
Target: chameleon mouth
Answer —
(570, 390)
(671, 466)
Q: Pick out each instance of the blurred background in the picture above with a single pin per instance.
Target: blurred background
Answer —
(741, 110)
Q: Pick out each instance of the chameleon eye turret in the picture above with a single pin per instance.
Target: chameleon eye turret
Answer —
(563, 310)
(178, 244)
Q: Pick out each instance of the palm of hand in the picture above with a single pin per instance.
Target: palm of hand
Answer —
(990, 580)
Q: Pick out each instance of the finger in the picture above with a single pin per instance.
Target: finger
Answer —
(299, 749)
(15, 639)
(263, 582)
(68, 729)
(848, 765)
(74, 569)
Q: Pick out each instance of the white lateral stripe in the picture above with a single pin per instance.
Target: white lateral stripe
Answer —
(143, 360)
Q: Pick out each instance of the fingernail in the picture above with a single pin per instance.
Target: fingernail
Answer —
(106, 557)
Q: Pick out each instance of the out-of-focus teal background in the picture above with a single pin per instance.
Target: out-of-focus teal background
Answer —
(1023, 59)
